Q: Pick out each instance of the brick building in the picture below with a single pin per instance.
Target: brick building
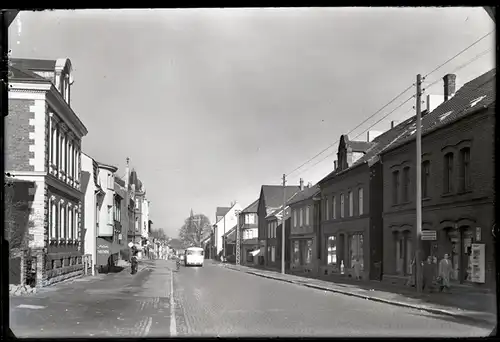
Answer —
(270, 199)
(43, 145)
(457, 185)
(305, 223)
(274, 233)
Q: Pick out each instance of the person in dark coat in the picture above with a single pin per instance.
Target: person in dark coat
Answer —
(429, 274)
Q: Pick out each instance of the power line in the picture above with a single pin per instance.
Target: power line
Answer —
(371, 116)
(400, 94)
(385, 116)
(458, 54)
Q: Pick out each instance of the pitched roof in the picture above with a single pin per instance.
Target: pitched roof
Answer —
(478, 93)
(273, 194)
(305, 194)
(252, 208)
(221, 211)
(34, 64)
(18, 74)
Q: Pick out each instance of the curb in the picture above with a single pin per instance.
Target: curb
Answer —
(374, 299)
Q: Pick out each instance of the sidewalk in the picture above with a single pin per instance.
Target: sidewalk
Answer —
(476, 307)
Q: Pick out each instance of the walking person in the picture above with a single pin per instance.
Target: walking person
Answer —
(445, 269)
(428, 274)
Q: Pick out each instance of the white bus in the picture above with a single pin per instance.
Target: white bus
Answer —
(194, 256)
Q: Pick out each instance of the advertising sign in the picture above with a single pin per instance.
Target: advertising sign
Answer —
(478, 263)
(429, 235)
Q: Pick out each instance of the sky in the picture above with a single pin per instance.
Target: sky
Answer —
(210, 104)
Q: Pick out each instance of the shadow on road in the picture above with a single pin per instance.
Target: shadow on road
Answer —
(110, 269)
(471, 321)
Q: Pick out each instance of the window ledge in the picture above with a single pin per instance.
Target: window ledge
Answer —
(426, 199)
(464, 192)
(449, 194)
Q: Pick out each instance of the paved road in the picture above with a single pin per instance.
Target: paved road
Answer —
(214, 301)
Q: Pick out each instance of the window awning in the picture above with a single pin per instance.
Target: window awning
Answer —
(254, 253)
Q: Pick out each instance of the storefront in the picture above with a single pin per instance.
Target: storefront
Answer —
(106, 252)
(303, 251)
(342, 251)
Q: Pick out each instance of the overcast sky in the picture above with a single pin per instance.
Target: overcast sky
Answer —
(209, 104)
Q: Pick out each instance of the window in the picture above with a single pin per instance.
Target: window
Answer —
(70, 223)
(295, 218)
(426, 176)
(356, 248)
(307, 215)
(301, 217)
(332, 250)
(62, 223)
(53, 152)
(250, 219)
(136, 223)
(406, 184)
(360, 201)
(448, 173)
(53, 223)
(351, 204)
(464, 169)
(395, 187)
(334, 209)
(296, 252)
(327, 210)
(273, 253)
(309, 252)
(342, 206)
(110, 214)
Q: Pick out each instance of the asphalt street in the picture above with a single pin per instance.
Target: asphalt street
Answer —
(214, 301)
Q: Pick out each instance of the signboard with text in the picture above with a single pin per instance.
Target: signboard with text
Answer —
(429, 235)
(478, 263)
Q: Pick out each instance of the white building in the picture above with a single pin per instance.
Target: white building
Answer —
(145, 217)
(92, 202)
(225, 220)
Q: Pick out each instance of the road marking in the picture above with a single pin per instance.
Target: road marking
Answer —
(145, 332)
(28, 306)
(173, 327)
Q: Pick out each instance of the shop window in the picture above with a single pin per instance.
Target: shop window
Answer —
(356, 249)
(273, 254)
(296, 252)
(409, 256)
(309, 252)
(332, 250)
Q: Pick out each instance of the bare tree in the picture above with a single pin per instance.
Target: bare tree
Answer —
(195, 229)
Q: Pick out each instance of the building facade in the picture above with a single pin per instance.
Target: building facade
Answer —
(457, 187)
(93, 197)
(226, 219)
(43, 145)
(304, 242)
(273, 258)
(270, 199)
(248, 221)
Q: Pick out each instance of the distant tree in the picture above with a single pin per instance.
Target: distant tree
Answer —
(158, 234)
(195, 229)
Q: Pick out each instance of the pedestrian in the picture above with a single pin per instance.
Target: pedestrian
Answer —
(357, 269)
(428, 274)
(445, 269)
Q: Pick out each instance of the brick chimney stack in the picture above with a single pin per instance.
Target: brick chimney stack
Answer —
(301, 184)
(449, 86)
(334, 165)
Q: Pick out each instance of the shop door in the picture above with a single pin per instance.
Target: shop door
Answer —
(466, 261)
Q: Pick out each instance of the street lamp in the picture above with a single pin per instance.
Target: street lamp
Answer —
(214, 242)
(237, 214)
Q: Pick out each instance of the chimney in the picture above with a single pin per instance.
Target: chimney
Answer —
(449, 86)
(309, 185)
(127, 173)
(301, 184)
(394, 123)
(334, 165)
(370, 135)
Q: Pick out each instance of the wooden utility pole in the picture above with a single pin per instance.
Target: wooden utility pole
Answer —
(418, 192)
(238, 242)
(283, 227)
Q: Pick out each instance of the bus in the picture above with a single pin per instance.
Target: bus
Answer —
(194, 256)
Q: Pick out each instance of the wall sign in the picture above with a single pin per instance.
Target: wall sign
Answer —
(478, 263)
(429, 235)
(478, 234)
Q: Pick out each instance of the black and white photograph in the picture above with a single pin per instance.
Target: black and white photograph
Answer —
(249, 172)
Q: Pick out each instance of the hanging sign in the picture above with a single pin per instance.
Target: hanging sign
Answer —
(478, 234)
(429, 235)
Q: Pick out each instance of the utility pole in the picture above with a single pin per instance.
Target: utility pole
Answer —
(283, 227)
(418, 192)
(238, 242)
